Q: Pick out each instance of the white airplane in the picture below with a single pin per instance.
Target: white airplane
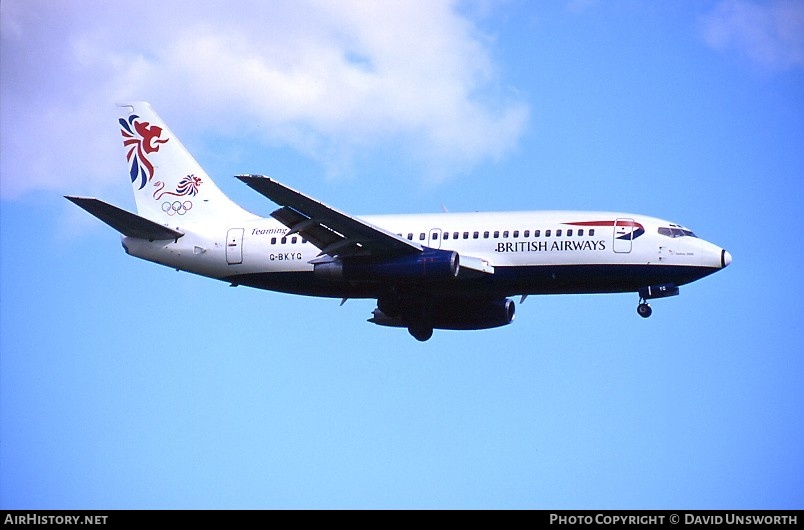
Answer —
(426, 271)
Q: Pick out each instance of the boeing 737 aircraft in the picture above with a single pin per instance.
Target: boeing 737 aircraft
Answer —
(428, 271)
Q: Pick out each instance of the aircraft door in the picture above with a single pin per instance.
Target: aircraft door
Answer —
(434, 238)
(234, 246)
(623, 235)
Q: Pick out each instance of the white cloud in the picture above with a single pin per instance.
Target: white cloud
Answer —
(770, 33)
(580, 6)
(322, 76)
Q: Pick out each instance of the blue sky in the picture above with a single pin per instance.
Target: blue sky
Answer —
(128, 385)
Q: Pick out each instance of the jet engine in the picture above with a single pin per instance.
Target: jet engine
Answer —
(452, 314)
(432, 264)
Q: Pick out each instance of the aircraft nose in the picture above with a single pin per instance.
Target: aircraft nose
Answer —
(725, 258)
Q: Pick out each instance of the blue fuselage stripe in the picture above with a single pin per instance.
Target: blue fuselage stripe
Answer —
(506, 281)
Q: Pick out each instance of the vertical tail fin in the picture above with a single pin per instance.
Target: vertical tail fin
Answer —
(170, 187)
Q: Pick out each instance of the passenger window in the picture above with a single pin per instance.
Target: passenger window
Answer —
(273, 241)
(435, 235)
(558, 233)
(475, 235)
(293, 241)
(486, 234)
(284, 240)
(446, 235)
(526, 234)
(537, 233)
(455, 235)
(421, 236)
(591, 232)
(547, 233)
(569, 232)
(516, 233)
(466, 235)
(496, 234)
(410, 236)
(580, 231)
(505, 234)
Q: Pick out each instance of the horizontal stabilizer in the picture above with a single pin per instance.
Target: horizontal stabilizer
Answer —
(127, 223)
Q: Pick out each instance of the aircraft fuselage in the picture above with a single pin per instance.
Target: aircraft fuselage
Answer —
(548, 252)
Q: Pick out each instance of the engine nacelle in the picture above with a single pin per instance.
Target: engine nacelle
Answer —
(486, 315)
(454, 314)
(432, 264)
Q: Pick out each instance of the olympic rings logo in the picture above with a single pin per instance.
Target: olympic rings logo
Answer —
(177, 207)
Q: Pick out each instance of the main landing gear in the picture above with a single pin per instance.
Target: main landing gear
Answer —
(420, 323)
(420, 330)
(416, 317)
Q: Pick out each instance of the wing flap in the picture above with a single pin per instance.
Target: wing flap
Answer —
(125, 222)
(332, 231)
(310, 229)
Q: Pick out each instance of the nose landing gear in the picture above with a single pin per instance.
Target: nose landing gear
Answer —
(651, 292)
(643, 309)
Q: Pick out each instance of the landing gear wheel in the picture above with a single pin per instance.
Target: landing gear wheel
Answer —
(644, 310)
(390, 306)
(420, 332)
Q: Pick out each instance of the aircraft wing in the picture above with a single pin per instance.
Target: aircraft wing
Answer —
(332, 231)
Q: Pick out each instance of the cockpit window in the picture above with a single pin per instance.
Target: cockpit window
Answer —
(675, 232)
